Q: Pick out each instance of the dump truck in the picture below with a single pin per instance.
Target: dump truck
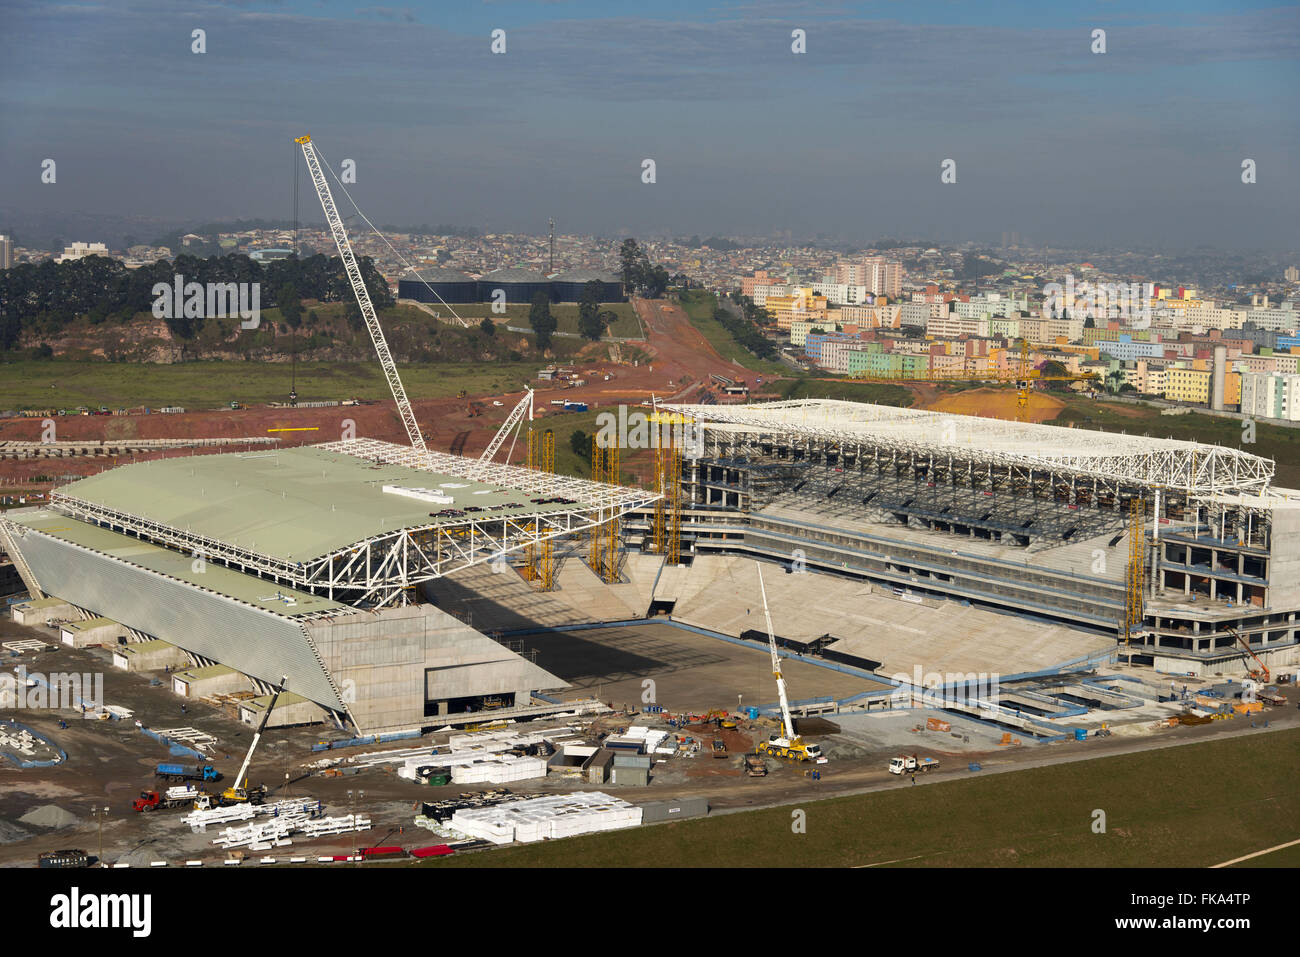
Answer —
(69, 858)
(181, 796)
(755, 767)
(182, 772)
(906, 765)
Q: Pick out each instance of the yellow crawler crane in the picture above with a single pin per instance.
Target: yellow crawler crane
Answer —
(789, 745)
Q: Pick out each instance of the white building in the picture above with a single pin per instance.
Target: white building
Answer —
(81, 250)
(1271, 395)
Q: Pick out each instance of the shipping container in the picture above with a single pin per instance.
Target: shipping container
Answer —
(674, 809)
(632, 777)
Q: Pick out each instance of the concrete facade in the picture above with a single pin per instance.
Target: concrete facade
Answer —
(41, 611)
(400, 668)
(92, 631)
(152, 655)
(209, 680)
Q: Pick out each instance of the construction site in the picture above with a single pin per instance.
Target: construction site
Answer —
(811, 593)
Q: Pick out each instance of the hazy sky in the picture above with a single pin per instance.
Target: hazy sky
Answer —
(1142, 144)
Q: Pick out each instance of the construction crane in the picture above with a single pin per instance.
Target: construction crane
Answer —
(789, 746)
(239, 791)
(1262, 674)
(512, 423)
(363, 296)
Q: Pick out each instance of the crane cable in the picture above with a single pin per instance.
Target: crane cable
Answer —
(405, 262)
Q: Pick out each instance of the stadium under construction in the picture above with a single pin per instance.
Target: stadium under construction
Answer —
(371, 573)
(1182, 553)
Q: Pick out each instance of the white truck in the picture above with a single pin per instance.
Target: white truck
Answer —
(906, 765)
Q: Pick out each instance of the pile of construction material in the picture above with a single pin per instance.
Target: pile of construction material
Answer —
(199, 820)
(262, 835)
(651, 739)
(554, 816)
(499, 770)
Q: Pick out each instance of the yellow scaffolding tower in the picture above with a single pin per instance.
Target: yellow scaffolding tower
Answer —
(675, 505)
(662, 455)
(546, 568)
(1134, 610)
(610, 551)
(597, 530)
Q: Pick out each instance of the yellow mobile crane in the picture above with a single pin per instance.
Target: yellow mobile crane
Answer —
(789, 746)
(239, 792)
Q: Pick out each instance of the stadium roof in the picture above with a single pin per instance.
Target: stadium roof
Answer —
(358, 514)
(1190, 467)
(586, 275)
(513, 274)
(212, 577)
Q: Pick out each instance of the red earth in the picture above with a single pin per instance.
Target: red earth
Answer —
(681, 361)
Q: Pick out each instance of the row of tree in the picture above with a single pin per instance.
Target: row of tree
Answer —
(639, 275)
(46, 297)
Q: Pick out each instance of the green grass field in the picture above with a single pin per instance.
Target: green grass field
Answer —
(1173, 807)
(565, 313)
(699, 306)
(1272, 441)
(205, 384)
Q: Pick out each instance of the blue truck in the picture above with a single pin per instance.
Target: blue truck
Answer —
(570, 406)
(182, 772)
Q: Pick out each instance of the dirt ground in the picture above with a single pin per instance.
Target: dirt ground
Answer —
(682, 361)
(996, 404)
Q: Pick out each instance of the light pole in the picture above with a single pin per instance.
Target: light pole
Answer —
(99, 814)
(352, 797)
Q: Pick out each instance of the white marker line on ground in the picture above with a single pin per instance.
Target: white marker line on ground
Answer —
(1267, 850)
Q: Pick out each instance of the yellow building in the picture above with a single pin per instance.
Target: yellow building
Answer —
(802, 305)
(1188, 385)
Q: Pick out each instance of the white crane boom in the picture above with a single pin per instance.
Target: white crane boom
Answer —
(257, 735)
(776, 664)
(363, 296)
(525, 405)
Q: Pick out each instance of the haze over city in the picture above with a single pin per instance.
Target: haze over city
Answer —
(1141, 144)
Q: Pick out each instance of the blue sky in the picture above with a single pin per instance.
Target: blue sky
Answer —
(1141, 145)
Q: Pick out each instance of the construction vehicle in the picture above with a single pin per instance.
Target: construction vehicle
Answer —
(906, 765)
(789, 745)
(185, 794)
(182, 772)
(719, 748)
(68, 858)
(721, 718)
(460, 394)
(1260, 674)
(755, 766)
(358, 283)
(240, 792)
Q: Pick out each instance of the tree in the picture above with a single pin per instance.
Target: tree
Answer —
(590, 324)
(630, 257)
(541, 320)
(290, 305)
(488, 327)
(580, 443)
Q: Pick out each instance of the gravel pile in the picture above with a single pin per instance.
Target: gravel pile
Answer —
(49, 815)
